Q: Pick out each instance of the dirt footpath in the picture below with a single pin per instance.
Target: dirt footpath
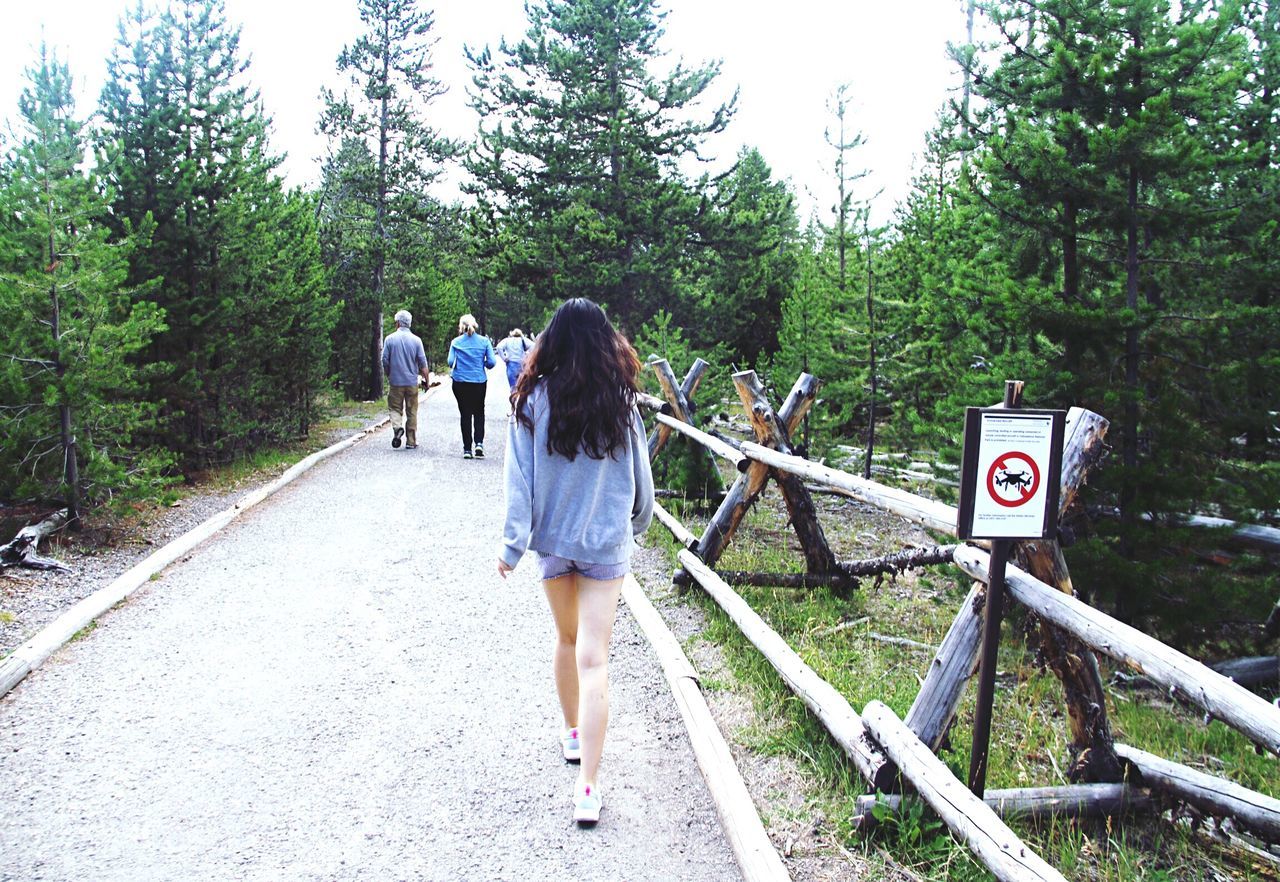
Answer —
(339, 687)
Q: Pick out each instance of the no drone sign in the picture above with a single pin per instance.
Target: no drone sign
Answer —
(1010, 474)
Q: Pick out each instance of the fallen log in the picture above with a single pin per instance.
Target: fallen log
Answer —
(900, 641)
(1036, 803)
(1255, 536)
(827, 704)
(899, 561)
(971, 820)
(1260, 670)
(1184, 676)
(784, 580)
(22, 550)
(1218, 797)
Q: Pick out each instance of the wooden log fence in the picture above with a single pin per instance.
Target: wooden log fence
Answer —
(887, 750)
(1190, 680)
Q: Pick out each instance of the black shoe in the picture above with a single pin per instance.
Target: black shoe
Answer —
(466, 454)
(396, 435)
(479, 451)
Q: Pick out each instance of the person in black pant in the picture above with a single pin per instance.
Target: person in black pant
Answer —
(470, 355)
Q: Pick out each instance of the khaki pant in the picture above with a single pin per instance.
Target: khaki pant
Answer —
(403, 404)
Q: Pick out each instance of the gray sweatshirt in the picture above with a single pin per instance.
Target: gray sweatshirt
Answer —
(586, 510)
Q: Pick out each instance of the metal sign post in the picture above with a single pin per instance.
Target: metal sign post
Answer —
(1009, 486)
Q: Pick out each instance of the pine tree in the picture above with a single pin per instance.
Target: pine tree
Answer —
(66, 325)
(1103, 155)
(184, 144)
(579, 155)
(390, 67)
(751, 236)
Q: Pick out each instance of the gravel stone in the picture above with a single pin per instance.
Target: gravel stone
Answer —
(339, 687)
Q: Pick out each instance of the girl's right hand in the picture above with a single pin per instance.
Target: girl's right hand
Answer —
(504, 568)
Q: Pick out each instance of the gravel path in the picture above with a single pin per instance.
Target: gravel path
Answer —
(339, 687)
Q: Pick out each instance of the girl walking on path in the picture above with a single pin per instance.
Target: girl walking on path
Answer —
(469, 355)
(578, 491)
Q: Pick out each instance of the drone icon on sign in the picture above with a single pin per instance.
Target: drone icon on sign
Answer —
(1013, 479)
(1009, 479)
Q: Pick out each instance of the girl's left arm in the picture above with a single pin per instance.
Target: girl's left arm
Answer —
(489, 358)
(518, 470)
(642, 507)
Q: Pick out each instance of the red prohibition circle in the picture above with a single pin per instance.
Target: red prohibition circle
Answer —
(1025, 493)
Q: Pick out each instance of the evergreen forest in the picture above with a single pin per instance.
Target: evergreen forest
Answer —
(1097, 213)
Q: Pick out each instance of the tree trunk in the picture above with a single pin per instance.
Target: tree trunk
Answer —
(70, 459)
(380, 222)
(871, 348)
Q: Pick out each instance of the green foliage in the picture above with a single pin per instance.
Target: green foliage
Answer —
(234, 258)
(577, 161)
(751, 260)
(72, 410)
(376, 180)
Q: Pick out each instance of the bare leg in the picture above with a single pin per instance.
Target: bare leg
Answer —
(562, 595)
(597, 609)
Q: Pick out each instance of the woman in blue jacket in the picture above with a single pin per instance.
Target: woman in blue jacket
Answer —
(470, 354)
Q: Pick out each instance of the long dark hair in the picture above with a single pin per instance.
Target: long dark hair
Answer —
(590, 373)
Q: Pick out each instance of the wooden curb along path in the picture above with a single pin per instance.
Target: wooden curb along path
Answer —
(751, 845)
(30, 655)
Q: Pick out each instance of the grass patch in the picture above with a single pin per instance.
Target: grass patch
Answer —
(1029, 734)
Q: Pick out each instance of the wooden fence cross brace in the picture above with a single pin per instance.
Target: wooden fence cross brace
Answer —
(680, 402)
(772, 430)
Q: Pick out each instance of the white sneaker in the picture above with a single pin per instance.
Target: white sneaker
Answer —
(570, 747)
(587, 804)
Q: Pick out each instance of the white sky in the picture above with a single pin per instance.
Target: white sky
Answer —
(786, 57)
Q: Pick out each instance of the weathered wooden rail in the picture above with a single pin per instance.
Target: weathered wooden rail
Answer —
(891, 752)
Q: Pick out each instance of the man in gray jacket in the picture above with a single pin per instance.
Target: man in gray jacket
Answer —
(404, 361)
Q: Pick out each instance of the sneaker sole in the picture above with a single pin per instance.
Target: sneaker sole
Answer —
(587, 818)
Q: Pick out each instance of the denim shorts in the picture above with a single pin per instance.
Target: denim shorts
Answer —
(554, 567)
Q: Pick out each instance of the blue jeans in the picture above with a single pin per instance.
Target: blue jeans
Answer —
(513, 371)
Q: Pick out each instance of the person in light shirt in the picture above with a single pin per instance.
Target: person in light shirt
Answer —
(512, 351)
(578, 491)
(404, 361)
